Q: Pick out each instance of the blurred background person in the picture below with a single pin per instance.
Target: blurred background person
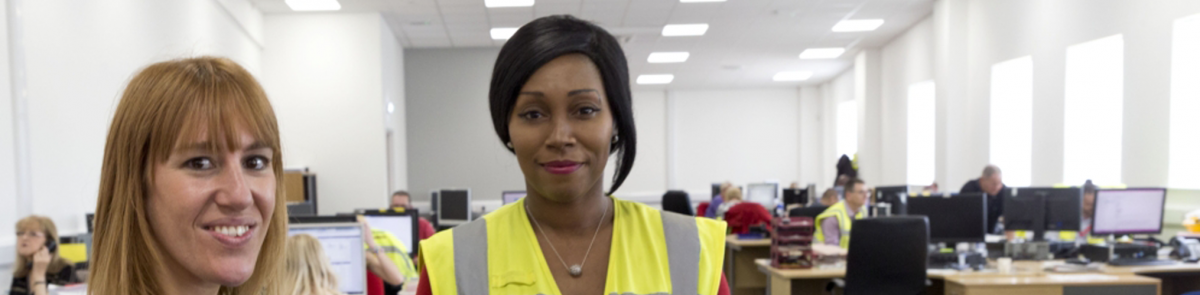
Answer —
(307, 270)
(37, 261)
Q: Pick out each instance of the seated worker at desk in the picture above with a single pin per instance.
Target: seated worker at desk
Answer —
(992, 186)
(829, 198)
(833, 225)
(401, 199)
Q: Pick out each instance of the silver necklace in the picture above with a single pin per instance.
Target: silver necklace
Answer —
(575, 270)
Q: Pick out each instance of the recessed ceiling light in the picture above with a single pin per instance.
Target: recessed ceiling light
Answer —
(857, 25)
(313, 5)
(684, 30)
(507, 3)
(822, 53)
(699, 1)
(792, 76)
(655, 79)
(503, 33)
(667, 57)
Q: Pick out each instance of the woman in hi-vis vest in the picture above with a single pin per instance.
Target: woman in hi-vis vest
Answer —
(560, 101)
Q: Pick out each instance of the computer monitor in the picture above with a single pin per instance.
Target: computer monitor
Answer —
(91, 222)
(1025, 209)
(954, 218)
(895, 196)
(795, 196)
(716, 189)
(763, 194)
(343, 244)
(1129, 211)
(402, 225)
(1064, 207)
(454, 207)
(509, 197)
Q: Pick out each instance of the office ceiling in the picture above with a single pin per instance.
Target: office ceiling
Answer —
(747, 43)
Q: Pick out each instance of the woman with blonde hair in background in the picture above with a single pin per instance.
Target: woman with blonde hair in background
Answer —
(308, 271)
(38, 263)
(190, 201)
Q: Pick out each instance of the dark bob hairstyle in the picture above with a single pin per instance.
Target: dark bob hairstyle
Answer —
(547, 38)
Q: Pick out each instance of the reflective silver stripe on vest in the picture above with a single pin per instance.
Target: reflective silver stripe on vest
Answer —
(470, 258)
(683, 252)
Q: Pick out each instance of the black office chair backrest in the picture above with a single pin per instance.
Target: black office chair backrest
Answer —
(810, 212)
(887, 256)
(678, 202)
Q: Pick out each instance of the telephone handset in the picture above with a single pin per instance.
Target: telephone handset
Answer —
(1187, 250)
(51, 246)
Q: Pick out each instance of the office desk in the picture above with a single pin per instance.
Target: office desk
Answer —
(1054, 284)
(743, 276)
(1171, 280)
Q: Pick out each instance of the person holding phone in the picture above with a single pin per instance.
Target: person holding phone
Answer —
(38, 263)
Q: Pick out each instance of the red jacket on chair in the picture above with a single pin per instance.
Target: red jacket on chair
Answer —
(700, 209)
(742, 216)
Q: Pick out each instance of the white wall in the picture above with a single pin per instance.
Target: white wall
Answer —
(78, 58)
(8, 164)
(743, 136)
(906, 60)
(325, 74)
(393, 92)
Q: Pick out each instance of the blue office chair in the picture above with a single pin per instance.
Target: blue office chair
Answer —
(888, 255)
(678, 202)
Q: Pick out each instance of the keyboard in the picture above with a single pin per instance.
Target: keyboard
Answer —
(1140, 262)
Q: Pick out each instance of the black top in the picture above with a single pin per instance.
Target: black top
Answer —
(64, 276)
(995, 204)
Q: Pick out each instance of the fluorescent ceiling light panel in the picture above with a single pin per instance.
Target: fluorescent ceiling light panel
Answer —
(684, 30)
(507, 3)
(792, 76)
(667, 57)
(313, 5)
(699, 1)
(655, 79)
(822, 53)
(503, 33)
(857, 25)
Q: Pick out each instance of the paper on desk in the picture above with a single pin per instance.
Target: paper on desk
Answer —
(1081, 278)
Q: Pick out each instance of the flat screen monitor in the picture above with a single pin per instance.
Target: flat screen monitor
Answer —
(895, 196)
(1064, 207)
(1129, 211)
(402, 225)
(763, 194)
(91, 222)
(1025, 209)
(454, 207)
(955, 218)
(716, 189)
(509, 197)
(795, 196)
(343, 244)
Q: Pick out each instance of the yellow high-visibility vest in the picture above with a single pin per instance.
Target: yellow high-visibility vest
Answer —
(653, 252)
(840, 212)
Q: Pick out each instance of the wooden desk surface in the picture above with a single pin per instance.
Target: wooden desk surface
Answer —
(1086, 279)
(734, 243)
(1020, 269)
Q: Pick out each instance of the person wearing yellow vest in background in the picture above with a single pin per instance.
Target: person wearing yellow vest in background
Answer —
(560, 101)
(834, 224)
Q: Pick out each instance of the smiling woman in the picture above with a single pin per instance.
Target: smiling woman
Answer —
(560, 102)
(188, 189)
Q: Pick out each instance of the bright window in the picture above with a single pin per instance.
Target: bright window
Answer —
(1093, 111)
(921, 133)
(847, 128)
(1011, 121)
(1184, 157)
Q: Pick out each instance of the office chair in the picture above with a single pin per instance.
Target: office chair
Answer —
(810, 212)
(678, 202)
(887, 256)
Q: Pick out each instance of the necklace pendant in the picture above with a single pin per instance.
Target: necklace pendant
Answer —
(575, 270)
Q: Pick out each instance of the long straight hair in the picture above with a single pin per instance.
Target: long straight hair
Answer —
(163, 103)
(46, 226)
(308, 269)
